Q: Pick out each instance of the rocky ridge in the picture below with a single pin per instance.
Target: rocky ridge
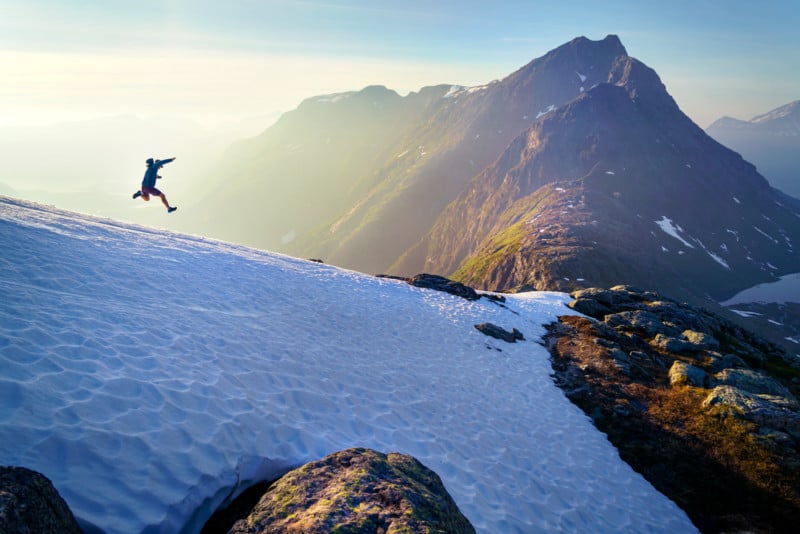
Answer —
(704, 409)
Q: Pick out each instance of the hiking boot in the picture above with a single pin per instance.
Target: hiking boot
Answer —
(137, 195)
(173, 208)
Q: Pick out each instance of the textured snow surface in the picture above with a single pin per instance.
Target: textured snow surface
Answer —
(147, 372)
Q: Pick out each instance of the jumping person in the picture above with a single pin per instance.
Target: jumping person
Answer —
(149, 182)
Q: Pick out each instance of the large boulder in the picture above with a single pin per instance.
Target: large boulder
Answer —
(765, 410)
(672, 344)
(684, 374)
(357, 490)
(591, 307)
(753, 382)
(29, 504)
(644, 322)
(701, 340)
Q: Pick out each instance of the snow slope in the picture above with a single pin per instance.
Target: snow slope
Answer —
(148, 373)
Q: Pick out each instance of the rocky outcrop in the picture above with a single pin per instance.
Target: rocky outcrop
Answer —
(440, 283)
(357, 490)
(704, 409)
(498, 332)
(769, 411)
(684, 374)
(755, 382)
(29, 504)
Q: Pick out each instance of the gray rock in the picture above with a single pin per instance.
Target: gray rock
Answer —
(702, 340)
(625, 294)
(497, 332)
(641, 321)
(440, 283)
(684, 374)
(590, 307)
(357, 490)
(605, 331)
(602, 296)
(753, 382)
(728, 361)
(606, 343)
(765, 410)
(672, 344)
(621, 360)
(29, 504)
(684, 316)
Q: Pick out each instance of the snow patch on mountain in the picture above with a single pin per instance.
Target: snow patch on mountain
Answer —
(762, 232)
(549, 108)
(151, 374)
(671, 229)
(332, 98)
(718, 259)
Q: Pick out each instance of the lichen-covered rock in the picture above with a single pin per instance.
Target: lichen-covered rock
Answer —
(765, 410)
(701, 340)
(672, 344)
(498, 332)
(29, 504)
(357, 490)
(753, 382)
(641, 321)
(684, 374)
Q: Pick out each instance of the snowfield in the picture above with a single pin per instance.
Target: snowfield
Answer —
(151, 375)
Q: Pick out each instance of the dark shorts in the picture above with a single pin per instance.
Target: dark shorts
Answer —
(151, 191)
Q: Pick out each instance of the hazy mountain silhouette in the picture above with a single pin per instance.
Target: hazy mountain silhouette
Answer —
(360, 177)
(771, 141)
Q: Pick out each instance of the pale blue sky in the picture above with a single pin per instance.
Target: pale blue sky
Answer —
(211, 60)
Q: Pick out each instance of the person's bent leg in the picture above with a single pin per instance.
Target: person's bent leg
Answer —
(164, 200)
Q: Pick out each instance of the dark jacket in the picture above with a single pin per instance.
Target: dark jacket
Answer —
(151, 174)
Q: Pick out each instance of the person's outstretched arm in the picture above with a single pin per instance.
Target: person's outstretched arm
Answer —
(163, 162)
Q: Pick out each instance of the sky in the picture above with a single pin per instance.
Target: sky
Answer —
(211, 62)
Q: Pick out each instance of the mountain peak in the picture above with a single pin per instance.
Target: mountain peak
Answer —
(792, 108)
(577, 65)
(610, 43)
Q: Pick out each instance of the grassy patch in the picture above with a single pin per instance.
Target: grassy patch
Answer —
(723, 471)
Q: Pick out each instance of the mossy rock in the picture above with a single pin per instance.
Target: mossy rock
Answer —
(357, 490)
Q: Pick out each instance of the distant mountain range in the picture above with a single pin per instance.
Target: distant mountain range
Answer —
(771, 141)
(577, 170)
(358, 178)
